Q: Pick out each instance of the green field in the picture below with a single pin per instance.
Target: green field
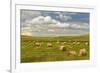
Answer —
(30, 52)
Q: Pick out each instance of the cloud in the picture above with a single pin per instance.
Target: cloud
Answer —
(47, 19)
(51, 30)
(28, 15)
(63, 24)
(26, 31)
(41, 20)
(47, 25)
(64, 17)
(80, 25)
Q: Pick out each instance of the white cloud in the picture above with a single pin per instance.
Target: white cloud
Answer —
(75, 26)
(52, 25)
(46, 25)
(42, 20)
(28, 15)
(26, 31)
(63, 17)
(63, 24)
(47, 19)
(80, 26)
(37, 20)
(51, 30)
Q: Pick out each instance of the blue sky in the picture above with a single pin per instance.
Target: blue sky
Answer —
(76, 16)
(54, 23)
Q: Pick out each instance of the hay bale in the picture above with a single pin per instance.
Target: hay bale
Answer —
(83, 52)
(72, 53)
(49, 44)
(62, 48)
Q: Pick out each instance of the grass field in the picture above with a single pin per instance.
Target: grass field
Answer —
(33, 53)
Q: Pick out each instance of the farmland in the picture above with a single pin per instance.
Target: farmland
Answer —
(30, 52)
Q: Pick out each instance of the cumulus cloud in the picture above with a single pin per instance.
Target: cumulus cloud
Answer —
(51, 30)
(53, 23)
(26, 31)
(64, 17)
(47, 25)
(28, 15)
(80, 26)
(41, 20)
(63, 24)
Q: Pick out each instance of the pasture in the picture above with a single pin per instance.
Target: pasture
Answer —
(45, 49)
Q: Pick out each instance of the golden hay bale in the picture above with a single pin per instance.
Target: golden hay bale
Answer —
(62, 48)
(83, 52)
(78, 43)
(49, 44)
(38, 44)
(72, 53)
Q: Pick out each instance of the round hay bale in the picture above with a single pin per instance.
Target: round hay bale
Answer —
(83, 52)
(72, 53)
(62, 48)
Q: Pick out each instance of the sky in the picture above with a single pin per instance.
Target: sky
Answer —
(54, 23)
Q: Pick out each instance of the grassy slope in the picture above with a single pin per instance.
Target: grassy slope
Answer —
(32, 53)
